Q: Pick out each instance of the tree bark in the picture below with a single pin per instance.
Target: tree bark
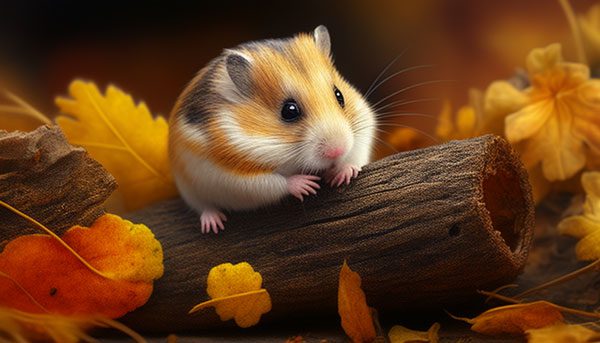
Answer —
(45, 177)
(422, 228)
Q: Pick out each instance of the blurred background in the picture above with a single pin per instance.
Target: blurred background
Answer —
(151, 49)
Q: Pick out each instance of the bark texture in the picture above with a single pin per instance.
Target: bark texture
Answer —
(422, 228)
(44, 176)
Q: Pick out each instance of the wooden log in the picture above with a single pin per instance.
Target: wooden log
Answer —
(422, 228)
(44, 176)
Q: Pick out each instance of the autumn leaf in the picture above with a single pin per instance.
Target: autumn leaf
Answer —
(515, 319)
(586, 226)
(123, 137)
(400, 334)
(236, 293)
(553, 122)
(56, 275)
(562, 333)
(357, 320)
(19, 115)
(18, 326)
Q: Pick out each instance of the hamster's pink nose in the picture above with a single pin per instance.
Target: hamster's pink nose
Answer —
(333, 153)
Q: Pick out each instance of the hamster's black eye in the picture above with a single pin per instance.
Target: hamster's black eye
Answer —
(339, 96)
(290, 111)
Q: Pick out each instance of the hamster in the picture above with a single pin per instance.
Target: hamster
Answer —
(260, 120)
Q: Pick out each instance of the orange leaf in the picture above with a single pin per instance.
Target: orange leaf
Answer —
(516, 319)
(357, 321)
(62, 284)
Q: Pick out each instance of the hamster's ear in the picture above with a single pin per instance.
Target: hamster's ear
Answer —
(238, 67)
(322, 39)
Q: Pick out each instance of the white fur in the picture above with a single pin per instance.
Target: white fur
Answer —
(211, 186)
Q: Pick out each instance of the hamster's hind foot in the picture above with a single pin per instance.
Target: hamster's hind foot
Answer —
(301, 185)
(342, 174)
(212, 219)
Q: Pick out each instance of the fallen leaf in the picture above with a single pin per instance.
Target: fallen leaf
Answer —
(586, 226)
(357, 320)
(128, 255)
(123, 137)
(562, 334)
(556, 123)
(400, 334)
(515, 319)
(236, 293)
(18, 326)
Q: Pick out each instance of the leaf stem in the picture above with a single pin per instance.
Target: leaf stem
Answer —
(215, 300)
(55, 236)
(568, 11)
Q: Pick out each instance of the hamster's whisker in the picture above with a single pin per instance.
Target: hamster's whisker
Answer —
(405, 70)
(409, 127)
(388, 66)
(401, 102)
(393, 114)
(386, 144)
(409, 88)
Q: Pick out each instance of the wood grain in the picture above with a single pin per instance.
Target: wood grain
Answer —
(44, 176)
(422, 228)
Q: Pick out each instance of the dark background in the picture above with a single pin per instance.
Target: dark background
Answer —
(152, 48)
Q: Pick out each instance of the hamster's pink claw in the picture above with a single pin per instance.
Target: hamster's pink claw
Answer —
(343, 174)
(212, 219)
(301, 185)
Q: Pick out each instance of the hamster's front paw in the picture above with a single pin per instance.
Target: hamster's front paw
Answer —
(301, 185)
(212, 219)
(341, 174)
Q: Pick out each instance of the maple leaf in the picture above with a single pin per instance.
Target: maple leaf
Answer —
(20, 326)
(45, 273)
(123, 137)
(562, 334)
(586, 226)
(515, 319)
(357, 320)
(400, 334)
(554, 121)
(236, 293)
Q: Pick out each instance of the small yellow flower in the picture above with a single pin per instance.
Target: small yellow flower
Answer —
(556, 121)
(467, 121)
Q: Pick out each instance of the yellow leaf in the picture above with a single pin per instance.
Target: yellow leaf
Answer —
(562, 334)
(558, 121)
(357, 320)
(18, 326)
(236, 293)
(123, 137)
(586, 226)
(400, 334)
(516, 319)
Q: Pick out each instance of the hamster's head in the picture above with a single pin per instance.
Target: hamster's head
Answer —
(289, 106)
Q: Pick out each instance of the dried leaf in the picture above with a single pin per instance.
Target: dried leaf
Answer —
(62, 284)
(123, 137)
(562, 334)
(400, 334)
(516, 319)
(357, 320)
(557, 122)
(19, 326)
(586, 226)
(236, 293)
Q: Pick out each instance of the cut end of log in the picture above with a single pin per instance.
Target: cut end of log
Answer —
(508, 202)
